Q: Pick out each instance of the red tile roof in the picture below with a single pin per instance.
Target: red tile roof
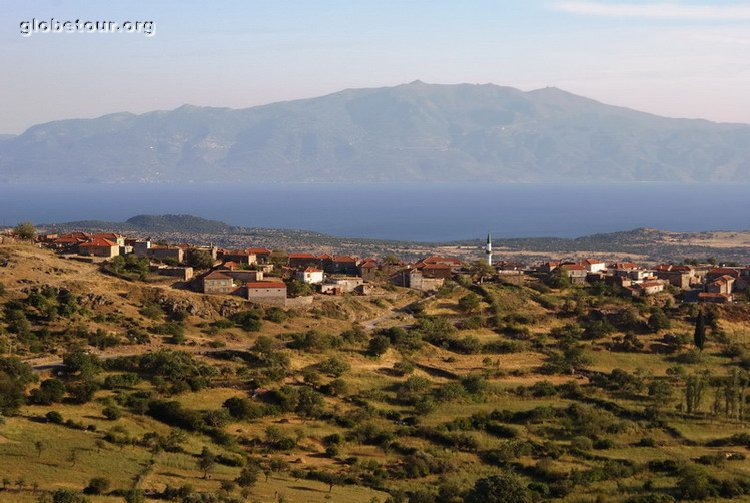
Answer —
(302, 256)
(98, 242)
(216, 275)
(723, 280)
(435, 259)
(266, 284)
(108, 235)
(312, 269)
(724, 271)
(626, 265)
(647, 284)
(67, 240)
(241, 253)
(572, 267)
(369, 265)
(259, 251)
(342, 258)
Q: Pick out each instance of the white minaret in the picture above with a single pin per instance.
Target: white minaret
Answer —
(488, 250)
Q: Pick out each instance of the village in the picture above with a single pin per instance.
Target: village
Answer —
(275, 277)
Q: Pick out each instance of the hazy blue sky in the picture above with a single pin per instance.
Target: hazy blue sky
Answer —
(676, 58)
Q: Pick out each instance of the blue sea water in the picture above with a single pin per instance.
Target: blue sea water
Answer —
(408, 211)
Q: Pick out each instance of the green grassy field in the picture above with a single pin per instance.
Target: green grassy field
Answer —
(530, 382)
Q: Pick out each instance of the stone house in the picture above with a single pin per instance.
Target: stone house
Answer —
(111, 236)
(267, 292)
(339, 264)
(338, 286)
(68, 243)
(594, 266)
(649, 287)
(722, 284)
(436, 271)
(262, 255)
(240, 257)
(302, 260)
(217, 282)
(310, 275)
(415, 279)
(99, 247)
(576, 273)
(144, 249)
(548, 267)
(681, 276)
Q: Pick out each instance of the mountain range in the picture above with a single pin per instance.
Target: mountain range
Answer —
(411, 132)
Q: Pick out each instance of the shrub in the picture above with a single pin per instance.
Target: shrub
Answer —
(247, 320)
(582, 443)
(695, 484)
(378, 345)
(97, 485)
(334, 366)
(112, 413)
(54, 417)
(49, 392)
(503, 488)
(68, 496)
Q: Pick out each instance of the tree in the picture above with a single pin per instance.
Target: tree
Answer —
(79, 361)
(248, 475)
(112, 413)
(206, 461)
(135, 496)
(199, 259)
(658, 321)
(309, 403)
(660, 392)
(97, 485)
(469, 303)
(25, 230)
(378, 345)
(297, 288)
(700, 331)
(68, 496)
(49, 392)
(503, 488)
(480, 270)
(39, 446)
(330, 478)
(695, 386)
(572, 359)
(695, 483)
(73, 456)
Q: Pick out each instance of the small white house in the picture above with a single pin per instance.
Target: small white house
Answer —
(310, 275)
(594, 266)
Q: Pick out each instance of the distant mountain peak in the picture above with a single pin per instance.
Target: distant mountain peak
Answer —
(412, 132)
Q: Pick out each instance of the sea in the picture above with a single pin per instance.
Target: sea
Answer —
(432, 212)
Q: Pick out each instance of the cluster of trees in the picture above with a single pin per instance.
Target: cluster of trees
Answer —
(128, 266)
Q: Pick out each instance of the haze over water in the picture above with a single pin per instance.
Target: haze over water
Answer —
(410, 211)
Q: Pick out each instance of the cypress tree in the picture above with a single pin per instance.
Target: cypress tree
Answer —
(700, 331)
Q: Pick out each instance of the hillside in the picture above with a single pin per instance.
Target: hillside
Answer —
(411, 132)
(546, 393)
